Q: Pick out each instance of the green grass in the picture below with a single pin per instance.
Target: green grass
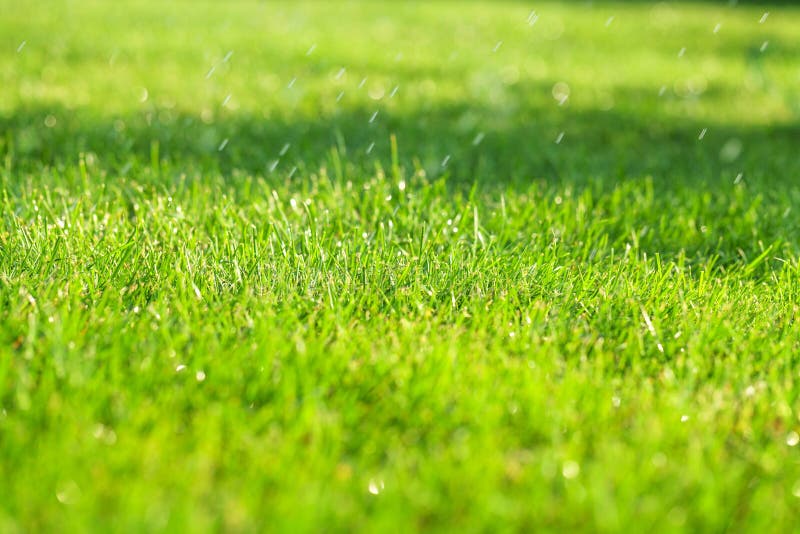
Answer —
(232, 301)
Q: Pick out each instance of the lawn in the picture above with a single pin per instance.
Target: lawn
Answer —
(457, 266)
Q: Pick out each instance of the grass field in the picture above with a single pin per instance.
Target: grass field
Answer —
(397, 266)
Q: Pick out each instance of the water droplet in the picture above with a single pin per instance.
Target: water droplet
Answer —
(763, 18)
(401, 185)
(717, 28)
(446, 160)
(180, 368)
(21, 46)
(274, 165)
(370, 147)
(226, 100)
(374, 116)
(284, 149)
(375, 486)
(684, 418)
(702, 134)
(50, 121)
(144, 95)
(223, 144)
(793, 438)
(764, 45)
(731, 150)
(200, 376)
(570, 469)
(559, 138)
(738, 179)
(561, 92)
(616, 401)
(291, 173)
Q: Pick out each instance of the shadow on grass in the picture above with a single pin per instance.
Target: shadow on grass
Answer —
(522, 138)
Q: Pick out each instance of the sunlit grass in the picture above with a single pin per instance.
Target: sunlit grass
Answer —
(325, 266)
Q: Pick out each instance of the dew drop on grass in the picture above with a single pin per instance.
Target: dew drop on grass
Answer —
(200, 376)
(180, 368)
(446, 160)
(561, 92)
(702, 134)
(223, 144)
(764, 46)
(50, 121)
(616, 401)
(144, 95)
(370, 147)
(763, 18)
(793, 438)
(570, 469)
(684, 418)
(375, 486)
(738, 179)
(21, 46)
(559, 138)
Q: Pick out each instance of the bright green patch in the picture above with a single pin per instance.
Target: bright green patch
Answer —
(395, 266)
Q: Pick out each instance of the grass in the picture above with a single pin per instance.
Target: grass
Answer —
(234, 298)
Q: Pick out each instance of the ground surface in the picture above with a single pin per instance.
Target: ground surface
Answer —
(566, 294)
